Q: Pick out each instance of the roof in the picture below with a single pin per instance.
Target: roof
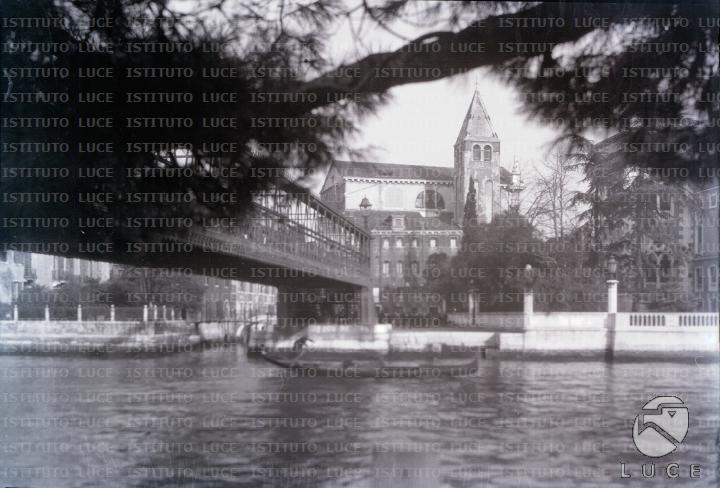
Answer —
(394, 171)
(404, 171)
(414, 221)
(477, 125)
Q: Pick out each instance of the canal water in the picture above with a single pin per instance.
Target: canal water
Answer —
(214, 418)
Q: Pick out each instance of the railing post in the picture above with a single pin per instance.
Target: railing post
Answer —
(612, 295)
(528, 307)
(47, 313)
(16, 316)
(79, 312)
(112, 313)
(172, 313)
(145, 313)
(155, 314)
(164, 315)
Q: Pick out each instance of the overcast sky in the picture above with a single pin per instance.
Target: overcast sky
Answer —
(421, 123)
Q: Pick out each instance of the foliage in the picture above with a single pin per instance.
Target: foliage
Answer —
(493, 261)
(281, 48)
(131, 286)
(639, 219)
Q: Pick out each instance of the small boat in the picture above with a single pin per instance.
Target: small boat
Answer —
(380, 367)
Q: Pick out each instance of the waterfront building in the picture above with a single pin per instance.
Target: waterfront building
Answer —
(416, 211)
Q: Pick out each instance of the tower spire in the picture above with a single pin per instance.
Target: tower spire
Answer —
(477, 125)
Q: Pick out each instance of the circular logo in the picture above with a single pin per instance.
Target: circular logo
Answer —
(661, 426)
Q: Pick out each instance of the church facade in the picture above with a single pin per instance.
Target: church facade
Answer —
(415, 211)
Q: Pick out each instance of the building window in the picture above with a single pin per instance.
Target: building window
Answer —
(414, 243)
(430, 199)
(477, 153)
(398, 242)
(713, 200)
(651, 274)
(713, 277)
(398, 223)
(665, 269)
(433, 242)
(487, 154)
(386, 268)
(399, 268)
(415, 267)
(698, 279)
(664, 203)
(453, 243)
(699, 237)
(386, 244)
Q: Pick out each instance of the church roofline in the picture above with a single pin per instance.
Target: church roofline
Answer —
(386, 171)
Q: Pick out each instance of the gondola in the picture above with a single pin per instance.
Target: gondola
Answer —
(381, 367)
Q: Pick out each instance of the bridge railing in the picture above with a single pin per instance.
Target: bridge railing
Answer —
(291, 223)
(667, 320)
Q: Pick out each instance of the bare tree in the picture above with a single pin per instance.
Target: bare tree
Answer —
(553, 188)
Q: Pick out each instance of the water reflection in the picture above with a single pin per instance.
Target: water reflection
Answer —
(215, 418)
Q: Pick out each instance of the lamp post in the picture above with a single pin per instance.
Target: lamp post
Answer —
(612, 283)
(365, 205)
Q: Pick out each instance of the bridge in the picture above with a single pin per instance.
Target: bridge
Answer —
(318, 260)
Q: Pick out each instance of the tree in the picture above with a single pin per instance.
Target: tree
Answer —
(283, 97)
(135, 287)
(637, 218)
(494, 260)
(470, 216)
(554, 187)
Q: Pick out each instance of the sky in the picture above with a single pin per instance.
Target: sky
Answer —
(422, 121)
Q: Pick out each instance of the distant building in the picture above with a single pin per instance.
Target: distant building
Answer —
(415, 211)
(706, 246)
(687, 214)
(14, 275)
(51, 270)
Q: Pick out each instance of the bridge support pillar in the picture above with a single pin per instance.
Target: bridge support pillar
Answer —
(368, 316)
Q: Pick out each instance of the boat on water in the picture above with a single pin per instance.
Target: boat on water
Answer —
(312, 365)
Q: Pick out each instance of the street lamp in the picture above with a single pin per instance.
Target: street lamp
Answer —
(365, 205)
(612, 266)
(612, 283)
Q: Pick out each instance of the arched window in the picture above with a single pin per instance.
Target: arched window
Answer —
(487, 153)
(430, 199)
(476, 153)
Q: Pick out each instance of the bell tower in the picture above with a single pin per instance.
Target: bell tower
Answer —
(477, 156)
